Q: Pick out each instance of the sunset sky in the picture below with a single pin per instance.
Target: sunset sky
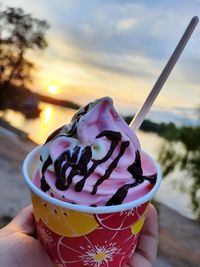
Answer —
(116, 48)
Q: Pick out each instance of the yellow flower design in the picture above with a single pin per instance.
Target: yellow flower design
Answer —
(62, 221)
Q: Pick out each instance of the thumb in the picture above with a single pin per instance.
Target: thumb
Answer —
(24, 222)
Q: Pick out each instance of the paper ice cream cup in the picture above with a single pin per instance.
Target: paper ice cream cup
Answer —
(76, 235)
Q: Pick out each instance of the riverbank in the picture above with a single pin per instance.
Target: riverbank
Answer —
(179, 236)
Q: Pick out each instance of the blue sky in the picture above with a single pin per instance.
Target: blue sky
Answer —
(117, 48)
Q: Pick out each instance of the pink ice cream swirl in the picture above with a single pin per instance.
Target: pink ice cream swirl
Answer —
(96, 160)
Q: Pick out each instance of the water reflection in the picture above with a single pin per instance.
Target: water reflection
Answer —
(46, 116)
(51, 118)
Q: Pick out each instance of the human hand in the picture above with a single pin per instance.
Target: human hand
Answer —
(146, 249)
(18, 247)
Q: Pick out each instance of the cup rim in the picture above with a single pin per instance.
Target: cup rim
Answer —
(83, 208)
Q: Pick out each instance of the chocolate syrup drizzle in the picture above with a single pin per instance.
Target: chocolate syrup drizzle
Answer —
(78, 160)
(44, 185)
(136, 170)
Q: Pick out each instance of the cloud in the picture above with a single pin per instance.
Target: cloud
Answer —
(126, 24)
(130, 64)
(121, 44)
(190, 70)
(113, 27)
(40, 11)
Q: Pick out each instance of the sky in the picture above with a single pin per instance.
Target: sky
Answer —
(117, 48)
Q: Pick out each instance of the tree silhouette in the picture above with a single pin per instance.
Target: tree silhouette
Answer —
(19, 32)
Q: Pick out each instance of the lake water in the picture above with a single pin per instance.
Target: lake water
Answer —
(52, 117)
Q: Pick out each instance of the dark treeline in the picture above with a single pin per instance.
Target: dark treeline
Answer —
(20, 98)
(165, 130)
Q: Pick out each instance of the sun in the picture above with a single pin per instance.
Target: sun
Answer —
(52, 89)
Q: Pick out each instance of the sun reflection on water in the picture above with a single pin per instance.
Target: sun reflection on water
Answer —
(46, 116)
(51, 118)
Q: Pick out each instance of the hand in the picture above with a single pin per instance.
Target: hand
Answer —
(146, 249)
(18, 247)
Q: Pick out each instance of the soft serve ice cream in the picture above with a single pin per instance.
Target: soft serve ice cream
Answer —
(96, 160)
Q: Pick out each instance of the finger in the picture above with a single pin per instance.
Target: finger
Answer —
(146, 250)
(24, 221)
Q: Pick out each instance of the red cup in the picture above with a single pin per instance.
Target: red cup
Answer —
(76, 235)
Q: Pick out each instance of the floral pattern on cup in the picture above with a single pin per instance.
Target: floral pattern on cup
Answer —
(89, 250)
(77, 239)
(121, 220)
